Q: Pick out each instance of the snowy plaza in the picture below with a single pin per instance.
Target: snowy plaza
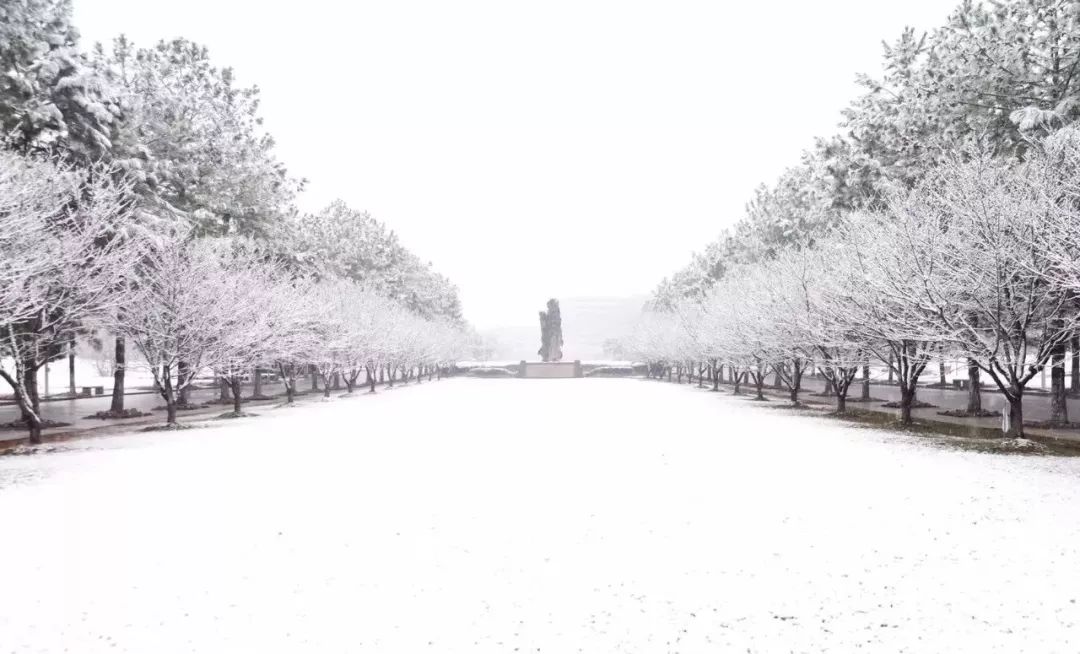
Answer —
(576, 327)
(452, 517)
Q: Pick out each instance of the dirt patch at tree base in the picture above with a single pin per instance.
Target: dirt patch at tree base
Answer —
(917, 404)
(230, 415)
(964, 413)
(183, 407)
(1021, 445)
(799, 406)
(172, 426)
(118, 415)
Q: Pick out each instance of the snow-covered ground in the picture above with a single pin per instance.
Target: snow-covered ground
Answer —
(592, 515)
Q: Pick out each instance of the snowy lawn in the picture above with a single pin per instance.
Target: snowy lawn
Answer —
(455, 517)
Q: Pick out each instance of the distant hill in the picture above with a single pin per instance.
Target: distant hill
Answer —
(586, 321)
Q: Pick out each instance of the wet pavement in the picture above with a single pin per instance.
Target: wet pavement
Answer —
(75, 412)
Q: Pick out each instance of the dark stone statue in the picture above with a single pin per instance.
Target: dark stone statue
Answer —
(551, 333)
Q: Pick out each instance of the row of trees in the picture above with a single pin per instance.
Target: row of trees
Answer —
(139, 193)
(980, 260)
(939, 222)
(230, 306)
(995, 76)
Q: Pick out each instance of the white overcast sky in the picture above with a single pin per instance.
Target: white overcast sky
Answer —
(545, 149)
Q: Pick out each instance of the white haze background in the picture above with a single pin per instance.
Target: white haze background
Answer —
(530, 150)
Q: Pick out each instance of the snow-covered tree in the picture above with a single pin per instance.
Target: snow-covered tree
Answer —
(197, 304)
(657, 339)
(294, 336)
(262, 323)
(193, 143)
(351, 244)
(62, 251)
(983, 241)
(51, 100)
(193, 139)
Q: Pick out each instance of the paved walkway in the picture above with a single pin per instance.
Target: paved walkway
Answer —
(75, 411)
(1036, 405)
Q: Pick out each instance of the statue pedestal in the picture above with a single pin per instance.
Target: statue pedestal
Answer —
(550, 369)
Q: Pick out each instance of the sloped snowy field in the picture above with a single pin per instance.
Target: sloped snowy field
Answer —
(455, 517)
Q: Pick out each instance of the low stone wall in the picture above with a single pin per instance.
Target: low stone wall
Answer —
(613, 371)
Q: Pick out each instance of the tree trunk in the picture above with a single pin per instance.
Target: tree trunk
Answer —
(891, 359)
(907, 398)
(288, 379)
(371, 380)
(337, 381)
(35, 431)
(941, 373)
(182, 373)
(71, 370)
(974, 405)
(314, 378)
(256, 390)
(168, 396)
(715, 377)
(30, 387)
(1016, 413)
(1059, 408)
(34, 425)
(30, 418)
(759, 381)
(390, 376)
(1074, 344)
(797, 370)
(325, 387)
(224, 394)
(118, 376)
(866, 383)
(237, 399)
(841, 402)
(737, 377)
